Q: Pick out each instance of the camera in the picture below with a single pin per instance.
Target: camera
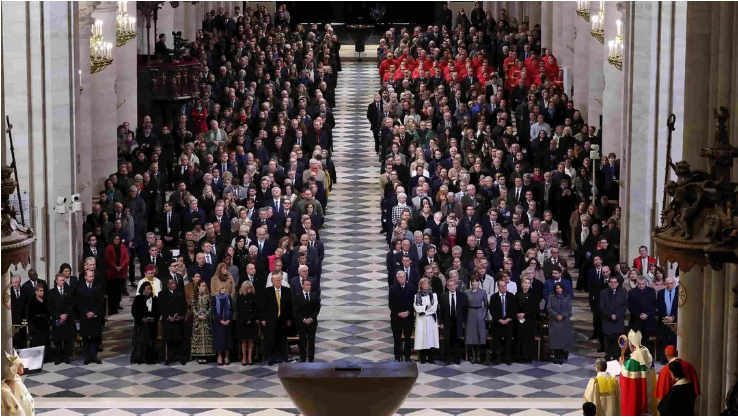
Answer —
(180, 44)
(76, 203)
(61, 207)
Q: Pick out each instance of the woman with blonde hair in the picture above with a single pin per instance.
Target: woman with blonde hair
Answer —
(247, 318)
(222, 278)
(426, 321)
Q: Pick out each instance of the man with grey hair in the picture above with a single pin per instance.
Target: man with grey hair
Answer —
(18, 311)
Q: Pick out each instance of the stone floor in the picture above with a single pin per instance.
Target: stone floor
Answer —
(354, 325)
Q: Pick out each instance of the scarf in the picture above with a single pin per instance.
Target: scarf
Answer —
(223, 305)
(421, 293)
(150, 303)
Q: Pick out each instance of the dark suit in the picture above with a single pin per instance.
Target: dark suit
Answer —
(453, 323)
(596, 285)
(171, 228)
(667, 336)
(161, 265)
(64, 332)
(500, 331)
(276, 317)
(401, 300)
(304, 309)
(642, 302)
(18, 311)
(91, 300)
(206, 271)
(171, 304)
(613, 304)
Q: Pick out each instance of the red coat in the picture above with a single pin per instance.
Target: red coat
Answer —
(113, 273)
(666, 381)
(199, 121)
(637, 262)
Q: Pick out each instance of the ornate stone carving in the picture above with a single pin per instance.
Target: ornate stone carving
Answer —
(699, 225)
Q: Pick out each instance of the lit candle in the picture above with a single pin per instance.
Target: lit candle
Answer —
(611, 47)
(80, 77)
(618, 25)
(602, 5)
(594, 22)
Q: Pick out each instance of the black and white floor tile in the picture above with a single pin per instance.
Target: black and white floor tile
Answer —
(353, 324)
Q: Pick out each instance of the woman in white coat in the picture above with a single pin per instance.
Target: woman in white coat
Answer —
(426, 321)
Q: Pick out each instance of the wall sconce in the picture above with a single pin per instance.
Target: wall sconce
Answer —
(615, 55)
(615, 47)
(583, 9)
(125, 26)
(598, 28)
(101, 52)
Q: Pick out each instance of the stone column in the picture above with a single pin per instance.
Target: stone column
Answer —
(127, 80)
(581, 68)
(39, 93)
(596, 76)
(105, 115)
(567, 32)
(534, 12)
(612, 96)
(84, 107)
(547, 24)
(192, 20)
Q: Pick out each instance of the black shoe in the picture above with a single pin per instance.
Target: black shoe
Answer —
(457, 362)
(270, 363)
(86, 362)
(97, 361)
(431, 361)
(448, 362)
(183, 362)
(496, 363)
(408, 360)
(398, 360)
(67, 361)
(57, 362)
(167, 362)
(422, 361)
(508, 362)
(593, 337)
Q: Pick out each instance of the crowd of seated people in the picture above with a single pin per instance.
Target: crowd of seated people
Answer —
(211, 222)
(485, 177)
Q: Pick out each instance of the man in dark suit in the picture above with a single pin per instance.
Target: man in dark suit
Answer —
(18, 312)
(169, 226)
(372, 113)
(642, 307)
(598, 278)
(307, 308)
(172, 272)
(401, 296)
(265, 247)
(451, 320)
(173, 307)
(315, 243)
(406, 250)
(153, 259)
(191, 213)
(667, 306)
(205, 270)
(90, 300)
(613, 304)
(276, 313)
(61, 308)
(503, 308)
(28, 289)
(412, 275)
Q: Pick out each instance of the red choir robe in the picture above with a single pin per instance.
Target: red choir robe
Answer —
(666, 381)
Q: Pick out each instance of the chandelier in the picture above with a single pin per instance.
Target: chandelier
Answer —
(125, 26)
(101, 52)
(598, 27)
(583, 9)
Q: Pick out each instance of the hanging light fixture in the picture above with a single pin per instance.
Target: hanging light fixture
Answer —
(598, 28)
(125, 28)
(101, 52)
(583, 9)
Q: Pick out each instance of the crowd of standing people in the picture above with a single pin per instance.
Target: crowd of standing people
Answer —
(212, 221)
(486, 175)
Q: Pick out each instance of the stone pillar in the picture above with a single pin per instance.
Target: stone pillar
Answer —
(165, 25)
(567, 32)
(192, 20)
(127, 80)
(39, 92)
(612, 96)
(547, 27)
(582, 40)
(105, 115)
(534, 12)
(84, 108)
(596, 76)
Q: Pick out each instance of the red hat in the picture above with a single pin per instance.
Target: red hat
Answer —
(149, 268)
(670, 351)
